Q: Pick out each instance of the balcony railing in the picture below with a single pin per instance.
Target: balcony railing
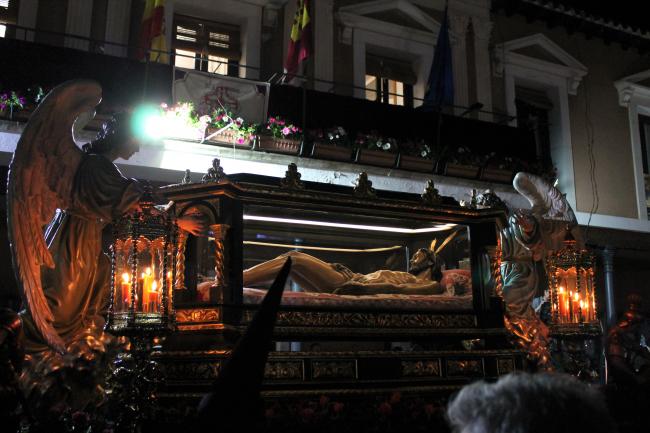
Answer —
(115, 49)
(127, 82)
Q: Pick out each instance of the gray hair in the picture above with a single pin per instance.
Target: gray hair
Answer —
(530, 403)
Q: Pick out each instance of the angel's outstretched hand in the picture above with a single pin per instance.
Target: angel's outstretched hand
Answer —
(525, 221)
(195, 224)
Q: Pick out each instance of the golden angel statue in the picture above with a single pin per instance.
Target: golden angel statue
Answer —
(72, 193)
(525, 242)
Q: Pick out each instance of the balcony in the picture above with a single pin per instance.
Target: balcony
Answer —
(127, 83)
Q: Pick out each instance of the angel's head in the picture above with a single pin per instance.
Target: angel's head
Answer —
(116, 138)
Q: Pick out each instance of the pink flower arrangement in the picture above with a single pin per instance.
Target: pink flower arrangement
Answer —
(280, 128)
(222, 118)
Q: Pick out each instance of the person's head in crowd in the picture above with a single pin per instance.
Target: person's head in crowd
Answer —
(530, 403)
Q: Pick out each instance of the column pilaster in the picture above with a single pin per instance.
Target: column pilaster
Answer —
(482, 33)
(458, 25)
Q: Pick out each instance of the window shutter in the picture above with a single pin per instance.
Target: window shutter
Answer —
(223, 41)
(204, 37)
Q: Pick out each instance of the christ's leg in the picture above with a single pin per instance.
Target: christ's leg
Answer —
(310, 273)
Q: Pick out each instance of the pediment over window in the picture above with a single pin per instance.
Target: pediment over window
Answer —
(538, 52)
(634, 85)
(400, 18)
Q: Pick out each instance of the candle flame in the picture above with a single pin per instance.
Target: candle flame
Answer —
(154, 286)
(169, 274)
(126, 277)
(148, 271)
(576, 296)
(561, 289)
(582, 304)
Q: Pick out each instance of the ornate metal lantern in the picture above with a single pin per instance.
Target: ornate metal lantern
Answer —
(143, 271)
(571, 280)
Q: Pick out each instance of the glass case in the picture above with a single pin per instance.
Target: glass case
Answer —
(351, 254)
(389, 251)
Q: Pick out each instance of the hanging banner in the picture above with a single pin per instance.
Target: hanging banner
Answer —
(245, 98)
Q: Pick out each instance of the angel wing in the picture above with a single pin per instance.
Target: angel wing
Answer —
(546, 200)
(41, 175)
(552, 206)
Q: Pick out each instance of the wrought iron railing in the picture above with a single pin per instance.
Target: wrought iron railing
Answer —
(105, 47)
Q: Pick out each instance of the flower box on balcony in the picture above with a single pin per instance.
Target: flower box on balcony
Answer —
(268, 143)
(323, 150)
(375, 157)
(416, 163)
(231, 138)
(497, 174)
(460, 170)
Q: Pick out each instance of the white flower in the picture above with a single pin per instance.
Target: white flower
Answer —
(386, 146)
(423, 154)
(225, 118)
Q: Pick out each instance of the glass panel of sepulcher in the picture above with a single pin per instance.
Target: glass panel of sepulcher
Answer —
(351, 255)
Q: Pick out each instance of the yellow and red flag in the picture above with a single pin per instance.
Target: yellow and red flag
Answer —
(152, 32)
(300, 39)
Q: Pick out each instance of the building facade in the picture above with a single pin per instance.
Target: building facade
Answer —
(578, 82)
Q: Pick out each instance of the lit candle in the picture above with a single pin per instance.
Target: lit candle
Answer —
(562, 304)
(153, 297)
(147, 279)
(576, 307)
(583, 312)
(125, 295)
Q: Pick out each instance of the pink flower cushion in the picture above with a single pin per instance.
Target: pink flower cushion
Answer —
(456, 281)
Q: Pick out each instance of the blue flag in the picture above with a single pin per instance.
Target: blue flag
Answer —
(440, 88)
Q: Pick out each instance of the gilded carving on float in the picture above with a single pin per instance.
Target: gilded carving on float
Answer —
(363, 187)
(284, 370)
(430, 196)
(197, 315)
(334, 369)
(465, 367)
(291, 178)
(421, 368)
(215, 173)
(187, 179)
(191, 370)
(371, 320)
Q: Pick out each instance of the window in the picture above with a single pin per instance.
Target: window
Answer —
(206, 46)
(533, 112)
(389, 81)
(8, 15)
